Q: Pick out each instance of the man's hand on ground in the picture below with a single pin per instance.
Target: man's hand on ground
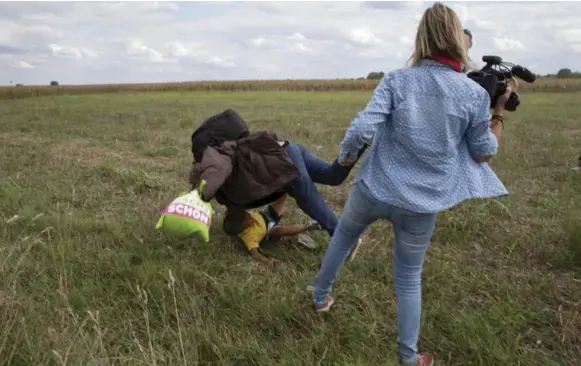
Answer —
(255, 253)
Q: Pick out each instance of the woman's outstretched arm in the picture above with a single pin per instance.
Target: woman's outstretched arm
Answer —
(362, 128)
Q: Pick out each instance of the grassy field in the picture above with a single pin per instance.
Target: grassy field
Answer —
(86, 280)
(542, 85)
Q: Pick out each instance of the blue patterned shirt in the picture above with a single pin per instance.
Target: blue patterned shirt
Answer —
(427, 123)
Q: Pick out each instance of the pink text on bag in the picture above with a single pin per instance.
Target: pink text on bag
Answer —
(191, 212)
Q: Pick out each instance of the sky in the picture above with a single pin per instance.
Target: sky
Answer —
(144, 42)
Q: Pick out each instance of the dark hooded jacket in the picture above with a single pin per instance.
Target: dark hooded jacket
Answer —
(219, 128)
(245, 171)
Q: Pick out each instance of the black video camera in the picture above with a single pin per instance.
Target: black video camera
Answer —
(493, 78)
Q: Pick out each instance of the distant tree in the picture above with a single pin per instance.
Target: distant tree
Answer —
(564, 73)
(54, 83)
(19, 84)
(374, 75)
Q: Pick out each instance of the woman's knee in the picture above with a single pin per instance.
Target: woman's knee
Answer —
(409, 256)
(410, 249)
(407, 283)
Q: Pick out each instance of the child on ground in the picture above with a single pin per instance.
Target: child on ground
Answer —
(253, 227)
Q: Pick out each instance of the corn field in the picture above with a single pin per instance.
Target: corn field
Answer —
(18, 92)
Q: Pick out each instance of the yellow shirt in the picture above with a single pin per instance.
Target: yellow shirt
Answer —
(254, 234)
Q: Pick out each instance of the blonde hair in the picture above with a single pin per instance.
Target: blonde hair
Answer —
(440, 33)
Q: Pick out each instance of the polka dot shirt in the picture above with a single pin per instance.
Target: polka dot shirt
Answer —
(427, 123)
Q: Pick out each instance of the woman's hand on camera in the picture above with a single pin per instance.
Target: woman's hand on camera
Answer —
(512, 85)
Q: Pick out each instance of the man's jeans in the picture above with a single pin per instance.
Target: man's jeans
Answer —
(412, 233)
(312, 169)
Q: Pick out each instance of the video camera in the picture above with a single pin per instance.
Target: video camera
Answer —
(493, 78)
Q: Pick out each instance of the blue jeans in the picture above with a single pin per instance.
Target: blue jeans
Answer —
(312, 169)
(412, 232)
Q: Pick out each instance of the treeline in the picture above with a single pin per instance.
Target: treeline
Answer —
(561, 74)
(375, 75)
(565, 74)
(545, 84)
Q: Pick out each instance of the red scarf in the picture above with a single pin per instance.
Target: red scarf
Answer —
(456, 65)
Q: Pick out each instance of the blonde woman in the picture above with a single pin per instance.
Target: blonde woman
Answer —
(433, 138)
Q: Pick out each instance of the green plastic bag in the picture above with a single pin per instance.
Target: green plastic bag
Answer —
(187, 215)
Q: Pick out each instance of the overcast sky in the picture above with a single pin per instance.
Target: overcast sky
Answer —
(78, 43)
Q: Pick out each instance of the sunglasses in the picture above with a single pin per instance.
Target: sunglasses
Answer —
(468, 33)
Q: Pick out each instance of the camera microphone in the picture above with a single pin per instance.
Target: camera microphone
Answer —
(523, 73)
(493, 77)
